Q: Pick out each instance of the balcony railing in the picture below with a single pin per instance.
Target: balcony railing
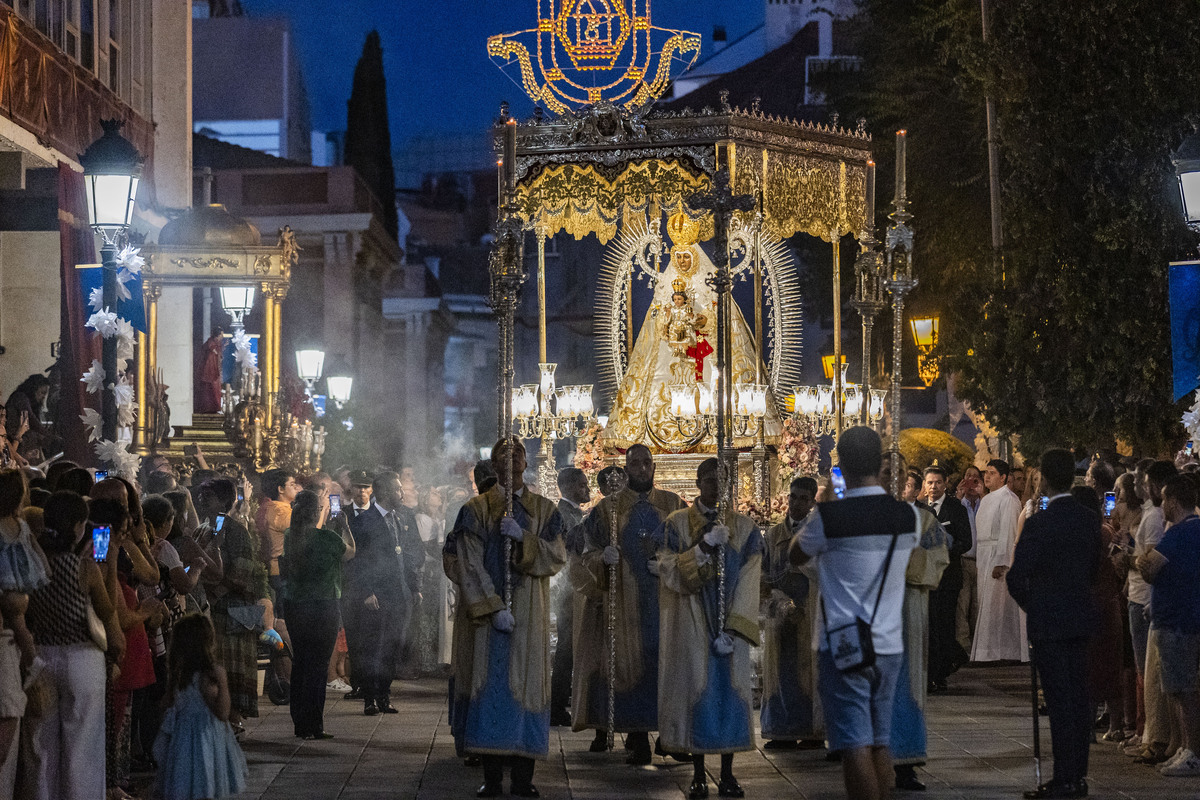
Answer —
(56, 99)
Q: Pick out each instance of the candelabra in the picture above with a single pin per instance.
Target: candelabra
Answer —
(542, 411)
(693, 411)
(815, 404)
(869, 297)
(899, 267)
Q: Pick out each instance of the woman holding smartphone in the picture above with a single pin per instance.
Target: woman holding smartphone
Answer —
(312, 560)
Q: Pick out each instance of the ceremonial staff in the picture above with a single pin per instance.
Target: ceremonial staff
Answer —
(722, 202)
(507, 268)
(613, 485)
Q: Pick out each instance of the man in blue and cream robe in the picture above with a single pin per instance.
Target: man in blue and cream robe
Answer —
(926, 564)
(791, 709)
(500, 708)
(636, 513)
(704, 684)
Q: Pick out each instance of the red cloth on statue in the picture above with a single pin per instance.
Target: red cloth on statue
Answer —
(208, 392)
(700, 351)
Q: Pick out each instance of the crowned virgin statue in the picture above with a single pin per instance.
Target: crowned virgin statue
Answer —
(674, 351)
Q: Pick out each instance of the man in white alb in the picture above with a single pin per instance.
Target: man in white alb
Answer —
(1000, 631)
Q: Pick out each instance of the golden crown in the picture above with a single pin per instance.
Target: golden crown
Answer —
(683, 230)
(679, 285)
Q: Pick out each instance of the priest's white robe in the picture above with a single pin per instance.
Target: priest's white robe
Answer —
(1000, 630)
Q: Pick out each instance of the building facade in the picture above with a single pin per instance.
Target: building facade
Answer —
(64, 66)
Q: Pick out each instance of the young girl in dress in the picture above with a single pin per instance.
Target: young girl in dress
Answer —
(198, 756)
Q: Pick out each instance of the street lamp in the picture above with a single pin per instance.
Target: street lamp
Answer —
(1187, 171)
(112, 168)
(339, 389)
(237, 302)
(925, 334)
(308, 366)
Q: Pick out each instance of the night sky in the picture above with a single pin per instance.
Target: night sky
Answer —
(440, 79)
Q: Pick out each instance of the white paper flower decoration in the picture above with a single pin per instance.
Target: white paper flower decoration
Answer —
(130, 260)
(103, 322)
(123, 392)
(110, 451)
(96, 299)
(94, 377)
(127, 414)
(125, 339)
(93, 422)
(122, 291)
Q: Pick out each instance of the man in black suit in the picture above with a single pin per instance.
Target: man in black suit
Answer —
(380, 586)
(946, 655)
(1053, 571)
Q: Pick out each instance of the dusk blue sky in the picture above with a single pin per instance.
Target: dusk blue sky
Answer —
(440, 79)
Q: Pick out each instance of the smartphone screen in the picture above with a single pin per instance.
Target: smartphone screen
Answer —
(1044, 503)
(1190, 449)
(219, 524)
(1110, 503)
(101, 474)
(241, 496)
(335, 505)
(100, 537)
(839, 483)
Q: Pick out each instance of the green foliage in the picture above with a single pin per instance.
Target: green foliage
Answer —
(923, 446)
(1068, 342)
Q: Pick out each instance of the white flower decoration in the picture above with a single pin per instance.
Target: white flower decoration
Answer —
(96, 299)
(103, 322)
(122, 291)
(127, 414)
(125, 339)
(94, 377)
(93, 422)
(124, 393)
(110, 451)
(131, 261)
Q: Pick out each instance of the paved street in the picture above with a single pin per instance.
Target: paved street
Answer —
(980, 747)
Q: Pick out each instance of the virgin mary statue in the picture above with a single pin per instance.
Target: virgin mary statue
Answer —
(674, 351)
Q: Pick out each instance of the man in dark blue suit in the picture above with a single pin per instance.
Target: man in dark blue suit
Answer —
(380, 587)
(1054, 568)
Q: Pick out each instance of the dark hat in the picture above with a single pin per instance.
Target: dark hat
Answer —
(360, 477)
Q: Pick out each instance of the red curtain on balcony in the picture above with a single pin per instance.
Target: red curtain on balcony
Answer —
(77, 344)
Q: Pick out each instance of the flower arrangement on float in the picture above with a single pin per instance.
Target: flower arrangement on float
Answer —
(589, 453)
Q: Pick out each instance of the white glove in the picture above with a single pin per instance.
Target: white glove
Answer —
(611, 555)
(723, 644)
(510, 528)
(652, 566)
(503, 621)
(717, 536)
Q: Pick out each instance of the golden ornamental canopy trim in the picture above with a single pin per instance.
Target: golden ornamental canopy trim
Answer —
(585, 52)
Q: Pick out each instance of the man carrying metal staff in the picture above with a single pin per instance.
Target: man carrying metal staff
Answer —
(619, 541)
(500, 709)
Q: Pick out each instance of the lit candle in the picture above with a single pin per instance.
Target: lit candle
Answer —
(510, 156)
(901, 157)
(870, 194)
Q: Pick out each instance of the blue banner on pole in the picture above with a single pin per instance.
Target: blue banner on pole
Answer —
(1184, 280)
(133, 309)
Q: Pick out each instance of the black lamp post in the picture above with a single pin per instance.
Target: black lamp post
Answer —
(112, 168)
